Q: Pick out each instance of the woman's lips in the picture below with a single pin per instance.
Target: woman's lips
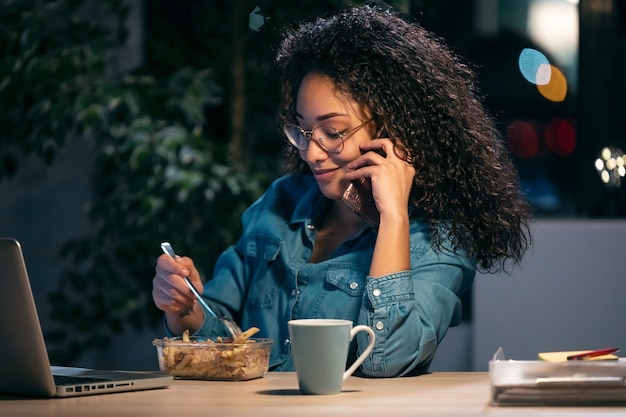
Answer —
(324, 174)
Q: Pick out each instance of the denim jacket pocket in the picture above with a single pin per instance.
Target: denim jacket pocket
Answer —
(262, 247)
(348, 277)
(262, 250)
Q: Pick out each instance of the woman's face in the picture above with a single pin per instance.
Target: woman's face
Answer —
(320, 104)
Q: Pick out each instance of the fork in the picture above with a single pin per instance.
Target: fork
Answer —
(230, 324)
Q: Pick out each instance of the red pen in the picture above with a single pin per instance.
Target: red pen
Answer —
(592, 354)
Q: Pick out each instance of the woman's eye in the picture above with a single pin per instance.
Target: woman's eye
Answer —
(331, 133)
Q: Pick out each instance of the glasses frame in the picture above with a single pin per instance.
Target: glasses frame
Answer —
(308, 135)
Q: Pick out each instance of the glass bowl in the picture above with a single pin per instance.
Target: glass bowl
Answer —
(201, 358)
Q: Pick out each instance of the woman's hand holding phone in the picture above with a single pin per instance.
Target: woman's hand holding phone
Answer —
(391, 179)
(381, 171)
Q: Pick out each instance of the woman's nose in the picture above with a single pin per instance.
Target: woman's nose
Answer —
(315, 152)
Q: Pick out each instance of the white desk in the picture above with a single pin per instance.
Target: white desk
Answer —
(275, 395)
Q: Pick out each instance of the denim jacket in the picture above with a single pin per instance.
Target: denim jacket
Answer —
(264, 280)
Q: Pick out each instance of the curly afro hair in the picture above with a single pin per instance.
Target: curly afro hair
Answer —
(426, 100)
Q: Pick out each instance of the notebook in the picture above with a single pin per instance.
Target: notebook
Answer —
(24, 364)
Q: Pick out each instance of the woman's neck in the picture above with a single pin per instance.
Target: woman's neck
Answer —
(340, 223)
(341, 215)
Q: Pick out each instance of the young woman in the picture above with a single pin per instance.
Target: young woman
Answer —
(366, 96)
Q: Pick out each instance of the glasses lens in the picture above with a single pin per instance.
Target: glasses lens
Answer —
(296, 136)
(329, 138)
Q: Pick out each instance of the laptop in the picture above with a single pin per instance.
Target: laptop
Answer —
(25, 366)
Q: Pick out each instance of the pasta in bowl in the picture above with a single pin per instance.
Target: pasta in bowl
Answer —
(240, 359)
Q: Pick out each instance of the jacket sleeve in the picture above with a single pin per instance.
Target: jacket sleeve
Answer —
(411, 311)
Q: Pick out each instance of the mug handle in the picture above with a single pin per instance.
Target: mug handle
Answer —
(367, 351)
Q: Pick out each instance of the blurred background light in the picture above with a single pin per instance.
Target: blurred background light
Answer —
(522, 138)
(554, 26)
(560, 136)
(610, 166)
(256, 20)
(556, 89)
(534, 66)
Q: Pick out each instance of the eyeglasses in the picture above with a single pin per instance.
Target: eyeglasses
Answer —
(328, 138)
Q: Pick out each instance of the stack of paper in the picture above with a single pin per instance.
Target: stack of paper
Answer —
(554, 381)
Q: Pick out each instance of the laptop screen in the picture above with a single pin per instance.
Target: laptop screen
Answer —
(25, 367)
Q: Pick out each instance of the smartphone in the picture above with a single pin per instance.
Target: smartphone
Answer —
(358, 196)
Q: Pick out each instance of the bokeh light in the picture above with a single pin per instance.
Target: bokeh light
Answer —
(560, 136)
(536, 69)
(556, 89)
(554, 26)
(522, 139)
(534, 66)
(256, 19)
(610, 166)
(529, 139)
